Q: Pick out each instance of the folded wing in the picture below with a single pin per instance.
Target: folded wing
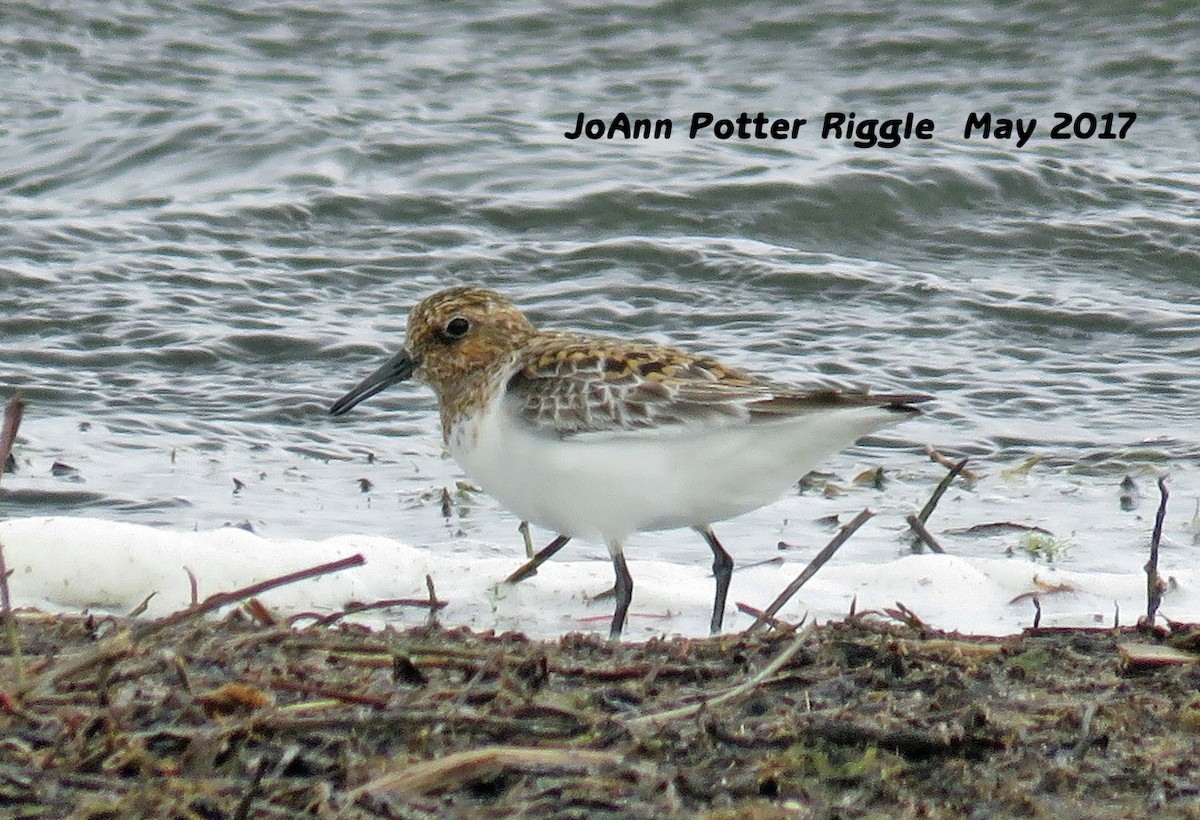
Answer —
(568, 386)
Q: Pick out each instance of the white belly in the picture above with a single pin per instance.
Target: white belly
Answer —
(611, 485)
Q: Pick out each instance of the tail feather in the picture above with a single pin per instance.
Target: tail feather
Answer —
(788, 404)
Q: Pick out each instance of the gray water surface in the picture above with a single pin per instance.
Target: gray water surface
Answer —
(214, 218)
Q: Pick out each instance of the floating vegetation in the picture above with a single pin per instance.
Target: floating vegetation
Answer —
(1041, 546)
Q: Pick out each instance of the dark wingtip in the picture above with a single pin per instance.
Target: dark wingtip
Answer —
(903, 402)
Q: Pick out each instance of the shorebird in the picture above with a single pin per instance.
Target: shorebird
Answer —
(595, 436)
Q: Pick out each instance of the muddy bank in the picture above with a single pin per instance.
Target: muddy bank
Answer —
(246, 718)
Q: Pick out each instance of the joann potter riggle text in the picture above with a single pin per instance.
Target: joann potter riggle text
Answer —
(867, 132)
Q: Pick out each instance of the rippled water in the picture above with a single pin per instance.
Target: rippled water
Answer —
(214, 218)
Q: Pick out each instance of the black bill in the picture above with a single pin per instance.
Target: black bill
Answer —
(396, 369)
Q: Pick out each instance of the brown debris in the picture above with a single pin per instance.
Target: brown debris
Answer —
(819, 560)
(1148, 656)
(924, 534)
(236, 717)
(462, 768)
(230, 698)
(947, 462)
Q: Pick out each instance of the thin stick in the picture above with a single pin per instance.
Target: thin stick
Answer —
(13, 412)
(777, 561)
(924, 534)
(451, 771)
(434, 603)
(530, 567)
(194, 583)
(10, 623)
(110, 650)
(417, 603)
(142, 607)
(941, 488)
(815, 564)
(355, 607)
(123, 642)
(243, 808)
(328, 692)
(775, 623)
(948, 463)
(1154, 584)
(221, 599)
(736, 692)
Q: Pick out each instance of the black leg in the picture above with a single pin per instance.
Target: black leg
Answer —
(722, 570)
(530, 567)
(623, 591)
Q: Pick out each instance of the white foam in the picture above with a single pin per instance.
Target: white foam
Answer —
(68, 564)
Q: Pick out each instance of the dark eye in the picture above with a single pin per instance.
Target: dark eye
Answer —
(456, 328)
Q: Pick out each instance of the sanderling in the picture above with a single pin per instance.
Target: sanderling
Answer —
(594, 436)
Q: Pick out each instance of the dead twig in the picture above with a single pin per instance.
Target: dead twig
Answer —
(777, 561)
(194, 584)
(214, 602)
(530, 567)
(1086, 738)
(113, 649)
(328, 692)
(549, 725)
(472, 765)
(814, 565)
(13, 412)
(941, 488)
(1154, 582)
(142, 607)
(924, 534)
(773, 622)
(904, 615)
(1152, 656)
(997, 528)
(950, 738)
(1041, 587)
(124, 642)
(946, 461)
(736, 692)
(355, 607)
(434, 603)
(259, 612)
(243, 808)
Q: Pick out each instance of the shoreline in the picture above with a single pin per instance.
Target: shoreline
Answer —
(244, 716)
